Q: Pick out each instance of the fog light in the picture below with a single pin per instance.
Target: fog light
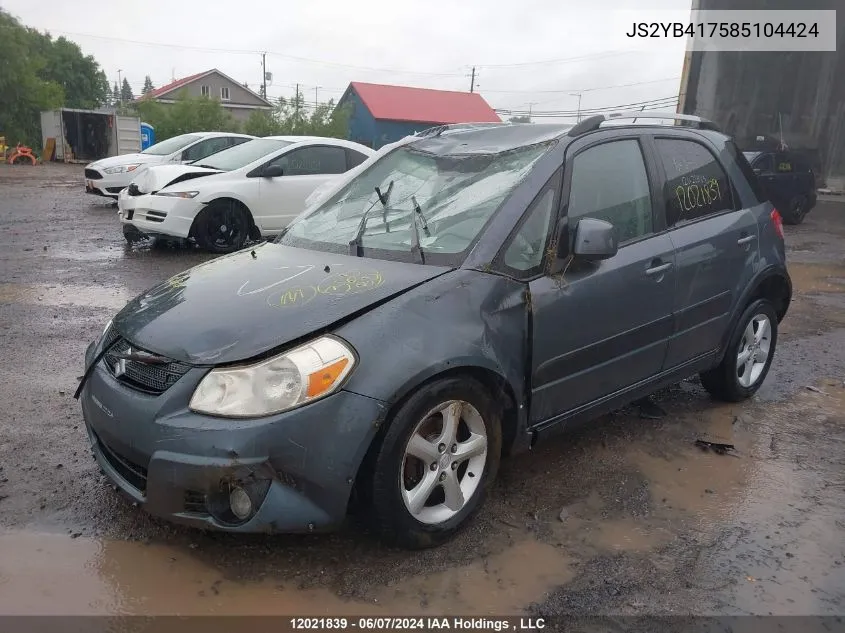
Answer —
(240, 503)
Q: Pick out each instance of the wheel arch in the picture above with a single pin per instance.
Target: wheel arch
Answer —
(492, 381)
(254, 231)
(772, 283)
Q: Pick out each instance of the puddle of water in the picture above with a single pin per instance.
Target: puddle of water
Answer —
(44, 294)
(808, 278)
(55, 575)
(701, 482)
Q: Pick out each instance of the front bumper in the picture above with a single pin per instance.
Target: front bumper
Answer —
(110, 185)
(158, 215)
(179, 465)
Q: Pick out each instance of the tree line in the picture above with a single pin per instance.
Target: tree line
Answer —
(39, 73)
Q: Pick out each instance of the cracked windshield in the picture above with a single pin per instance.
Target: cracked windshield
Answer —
(447, 199)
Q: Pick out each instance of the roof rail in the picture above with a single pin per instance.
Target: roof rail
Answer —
(452, 127)
(595, 122)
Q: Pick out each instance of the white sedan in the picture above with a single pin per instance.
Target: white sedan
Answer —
(107, 177)
(248, 191)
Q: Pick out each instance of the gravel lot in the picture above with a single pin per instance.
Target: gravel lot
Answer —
(627, 516)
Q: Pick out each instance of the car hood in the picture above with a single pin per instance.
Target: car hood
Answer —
(158, 177)
(244, 304)
(126, 159)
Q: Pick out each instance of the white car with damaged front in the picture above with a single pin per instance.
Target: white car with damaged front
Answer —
(108, 176)
(247, 192)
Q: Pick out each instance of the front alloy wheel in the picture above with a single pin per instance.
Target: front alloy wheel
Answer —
(444, 461)
(439, 455)
(754, 350)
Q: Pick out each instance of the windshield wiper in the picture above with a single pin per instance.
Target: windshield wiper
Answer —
(355, 243)
(418, 211)
(416, 251)
(384, 198)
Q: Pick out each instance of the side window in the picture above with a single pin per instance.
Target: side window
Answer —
(313, 161)
(696, 184)
(746, 170)
(525, 252)
(353, 158)
(205, 148)
(764, 163)
(609, 182)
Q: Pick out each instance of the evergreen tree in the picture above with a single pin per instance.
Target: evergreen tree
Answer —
(126, 92)
(148, 85)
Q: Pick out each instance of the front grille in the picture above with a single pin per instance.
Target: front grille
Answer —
(134, 474)
(114, 189)
(93, 174)
(146, 377)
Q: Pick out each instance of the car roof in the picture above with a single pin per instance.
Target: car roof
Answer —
(488, 139)
(212, 134)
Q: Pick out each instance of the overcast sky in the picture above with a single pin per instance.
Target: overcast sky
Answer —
(523, 50)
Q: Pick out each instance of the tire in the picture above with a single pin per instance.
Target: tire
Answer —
(732, 381)
(796, 211)
(132, 234)
(394, 469)
(222, 227)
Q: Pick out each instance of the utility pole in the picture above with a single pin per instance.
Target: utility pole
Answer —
(316, 99)
(472, 81)
(296, 102)
(577, 94)
(120, 85)
(264, 75)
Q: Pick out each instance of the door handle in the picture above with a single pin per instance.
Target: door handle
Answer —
(746, 240)
(660, 268)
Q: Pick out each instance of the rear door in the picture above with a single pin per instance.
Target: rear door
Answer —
(715, 243)
(599, 327)
(281, 199)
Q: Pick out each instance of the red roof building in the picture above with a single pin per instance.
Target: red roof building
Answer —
(383, 114)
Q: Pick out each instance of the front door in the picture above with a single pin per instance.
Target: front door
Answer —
(283, 198)
(715, 243)
(600, 327)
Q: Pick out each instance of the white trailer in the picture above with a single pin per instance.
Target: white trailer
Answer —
(83, 136)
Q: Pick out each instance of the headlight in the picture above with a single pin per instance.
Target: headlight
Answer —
(119, 169)
(178, 194)
(302, 375)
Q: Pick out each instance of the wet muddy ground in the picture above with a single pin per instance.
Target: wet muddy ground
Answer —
(627, 516)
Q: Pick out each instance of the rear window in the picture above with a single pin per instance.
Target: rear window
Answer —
(746, 170)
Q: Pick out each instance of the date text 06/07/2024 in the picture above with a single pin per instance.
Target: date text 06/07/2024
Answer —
(418, 624)
(724, 29)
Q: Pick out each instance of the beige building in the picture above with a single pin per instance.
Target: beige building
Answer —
(236, 98)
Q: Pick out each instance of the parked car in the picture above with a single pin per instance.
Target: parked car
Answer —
(109, 176)
(252, 190)
(470, 293)
(788, 181)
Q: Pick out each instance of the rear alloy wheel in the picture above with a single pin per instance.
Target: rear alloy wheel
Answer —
(748, 356)
(797, 210)
(438, 458)
(222, 227)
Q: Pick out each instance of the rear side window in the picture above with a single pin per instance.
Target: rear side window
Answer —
(747, 171)
(696, 185)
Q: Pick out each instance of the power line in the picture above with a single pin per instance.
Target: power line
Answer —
(562, 90)
(307, 60)
(653, 103)
(562, 60)
(600, 108)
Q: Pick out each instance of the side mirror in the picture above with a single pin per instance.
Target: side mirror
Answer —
(595, 239)
(272, 171)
